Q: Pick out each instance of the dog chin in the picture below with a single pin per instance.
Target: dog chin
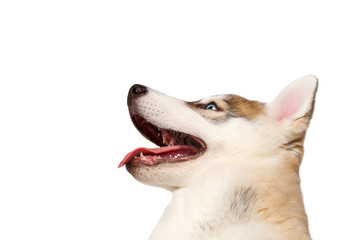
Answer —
(166, 175)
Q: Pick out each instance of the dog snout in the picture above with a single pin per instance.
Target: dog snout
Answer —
(135, 91)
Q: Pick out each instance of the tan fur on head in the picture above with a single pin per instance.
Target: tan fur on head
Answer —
(243, 107)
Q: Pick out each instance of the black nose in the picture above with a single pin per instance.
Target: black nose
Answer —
(135, 91)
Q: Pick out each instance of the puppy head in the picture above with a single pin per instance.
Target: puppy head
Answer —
(214, 130)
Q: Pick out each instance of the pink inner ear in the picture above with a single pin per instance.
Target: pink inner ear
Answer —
(290, 104)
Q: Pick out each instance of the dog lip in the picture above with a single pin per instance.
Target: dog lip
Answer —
(155, 155)
(174, 146)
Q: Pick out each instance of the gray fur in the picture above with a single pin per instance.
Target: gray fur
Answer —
(237, 204)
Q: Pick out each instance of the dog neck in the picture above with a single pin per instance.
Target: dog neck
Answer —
(257, 204)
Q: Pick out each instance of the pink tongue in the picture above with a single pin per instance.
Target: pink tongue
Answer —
(187, 149)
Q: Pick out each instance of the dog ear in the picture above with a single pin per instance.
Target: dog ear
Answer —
(296, 102)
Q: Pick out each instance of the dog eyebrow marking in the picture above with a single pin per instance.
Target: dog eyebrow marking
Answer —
(243, 107)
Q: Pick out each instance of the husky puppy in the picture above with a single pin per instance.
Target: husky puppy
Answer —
(232, 164)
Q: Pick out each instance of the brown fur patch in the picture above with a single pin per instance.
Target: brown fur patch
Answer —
(280, 201)
(244, 107)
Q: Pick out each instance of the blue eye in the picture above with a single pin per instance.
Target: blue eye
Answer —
(211, 106)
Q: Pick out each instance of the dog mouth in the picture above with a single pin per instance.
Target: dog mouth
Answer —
(174, 146)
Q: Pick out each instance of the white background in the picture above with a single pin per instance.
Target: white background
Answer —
(65, 70)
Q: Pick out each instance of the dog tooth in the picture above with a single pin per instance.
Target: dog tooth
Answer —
(172, 142)
(141, 154)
